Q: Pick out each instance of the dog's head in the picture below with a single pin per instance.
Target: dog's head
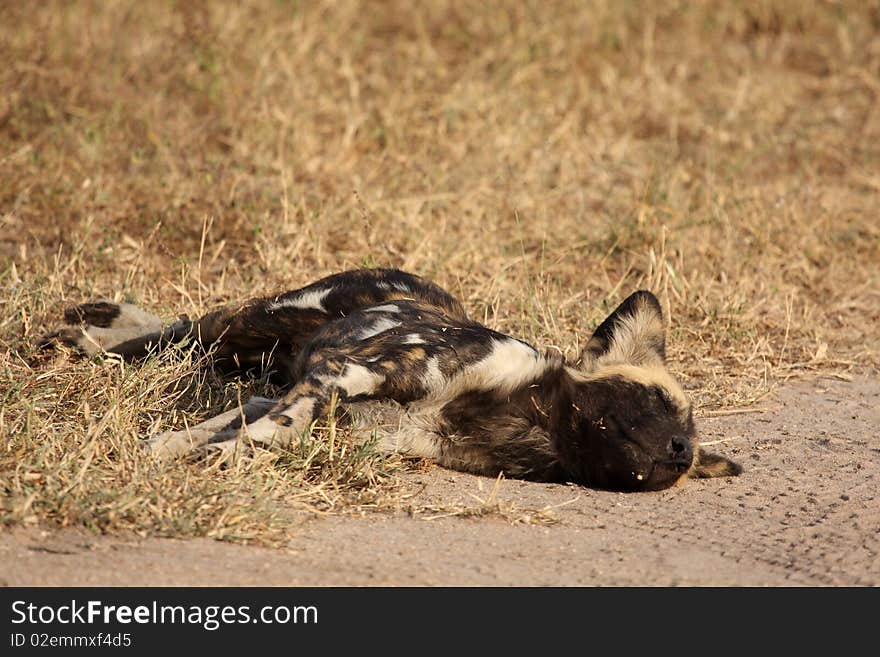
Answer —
(632, 427)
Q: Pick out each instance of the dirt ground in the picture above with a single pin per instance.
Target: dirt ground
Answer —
(803, 513)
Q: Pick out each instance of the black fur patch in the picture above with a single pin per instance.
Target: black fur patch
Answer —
(512, 433)
(280, 418)
(96, 313)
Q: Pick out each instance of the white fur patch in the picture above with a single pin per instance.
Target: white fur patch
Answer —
(433, 378)
(95, 339)
(358, 380)
(300, 412)
(268, 432)
(385, 308)
(379, 327)
(508, 366)
(306, 300)
(403, 287)
(414, 338)
(131, 316)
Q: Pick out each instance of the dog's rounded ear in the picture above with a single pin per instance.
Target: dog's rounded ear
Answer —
(633, 334)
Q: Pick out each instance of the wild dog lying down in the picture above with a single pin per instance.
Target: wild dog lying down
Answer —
(464, 395)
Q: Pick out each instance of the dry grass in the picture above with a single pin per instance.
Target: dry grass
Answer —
(540, 159)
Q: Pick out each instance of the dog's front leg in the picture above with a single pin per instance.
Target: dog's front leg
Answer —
(308, 400)
(215, 429)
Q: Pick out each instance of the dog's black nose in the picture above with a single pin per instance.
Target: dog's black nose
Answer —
(680, 451)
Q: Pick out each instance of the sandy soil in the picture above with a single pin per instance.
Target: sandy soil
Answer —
(804, 513)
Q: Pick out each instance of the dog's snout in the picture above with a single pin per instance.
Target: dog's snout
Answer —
(680, 450)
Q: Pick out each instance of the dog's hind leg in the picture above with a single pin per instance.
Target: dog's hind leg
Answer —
(120, 328)
(250, 334)
(240, 336)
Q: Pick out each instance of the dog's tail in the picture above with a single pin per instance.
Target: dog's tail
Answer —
(118, 328)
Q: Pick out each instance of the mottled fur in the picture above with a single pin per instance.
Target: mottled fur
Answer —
(402, 355)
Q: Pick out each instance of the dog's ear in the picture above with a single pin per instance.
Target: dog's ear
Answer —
(708, 465)
(632, 335)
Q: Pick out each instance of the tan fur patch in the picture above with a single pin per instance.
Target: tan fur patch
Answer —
(416, 354)
(633, 338)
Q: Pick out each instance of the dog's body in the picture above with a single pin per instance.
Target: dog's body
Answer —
(400, 353)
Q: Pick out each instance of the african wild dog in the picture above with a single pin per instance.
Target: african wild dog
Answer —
(401, 352)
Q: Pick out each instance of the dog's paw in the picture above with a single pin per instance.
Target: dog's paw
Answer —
(73, 337)
(173, 444)
(225, 451)
(198, 443)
